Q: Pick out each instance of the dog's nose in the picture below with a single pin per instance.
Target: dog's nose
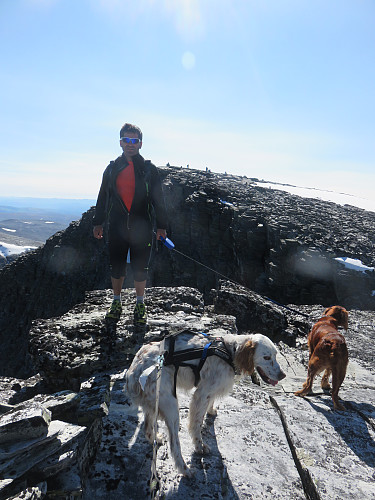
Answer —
(281, 375)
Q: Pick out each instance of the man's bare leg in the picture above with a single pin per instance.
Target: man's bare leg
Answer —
(140, 288)
(117, 285)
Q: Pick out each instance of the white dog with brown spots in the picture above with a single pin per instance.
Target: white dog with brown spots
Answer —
(216, 377)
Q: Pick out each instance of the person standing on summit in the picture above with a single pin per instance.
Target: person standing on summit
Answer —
(130, 191)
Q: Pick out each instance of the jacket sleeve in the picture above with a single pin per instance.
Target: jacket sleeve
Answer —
(157, 198)
(103, 200)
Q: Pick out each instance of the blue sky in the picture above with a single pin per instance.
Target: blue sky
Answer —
(280, 90)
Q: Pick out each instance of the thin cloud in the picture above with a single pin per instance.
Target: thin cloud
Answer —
(185, 15)
(66, 175)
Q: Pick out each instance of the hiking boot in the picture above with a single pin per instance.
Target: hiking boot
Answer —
(140, 315)
(115, 310)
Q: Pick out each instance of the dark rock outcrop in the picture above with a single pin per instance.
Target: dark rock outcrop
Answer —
(274, 243)
(277, 244)
(50, 439)
(67, 354)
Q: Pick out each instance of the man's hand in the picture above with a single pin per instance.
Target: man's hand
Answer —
(98, 232)
(161, 232)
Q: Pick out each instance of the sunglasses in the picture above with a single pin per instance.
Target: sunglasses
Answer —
(131, 140)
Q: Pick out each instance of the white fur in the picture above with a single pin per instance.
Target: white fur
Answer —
(216, 380)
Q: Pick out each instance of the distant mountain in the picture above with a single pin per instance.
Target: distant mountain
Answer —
(55, 205)
(29, 222)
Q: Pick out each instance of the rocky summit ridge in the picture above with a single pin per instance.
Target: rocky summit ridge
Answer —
(274, 243)
(67, 429)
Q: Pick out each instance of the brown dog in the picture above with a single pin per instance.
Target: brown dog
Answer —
(328, 352)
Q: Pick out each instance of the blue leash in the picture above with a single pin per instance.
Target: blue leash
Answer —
(170, 245)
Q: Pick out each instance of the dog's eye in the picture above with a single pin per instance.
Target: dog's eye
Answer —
(267, 358)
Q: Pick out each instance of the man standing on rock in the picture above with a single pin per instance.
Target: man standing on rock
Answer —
(129, 194)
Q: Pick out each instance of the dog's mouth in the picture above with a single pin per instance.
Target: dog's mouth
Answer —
(266, 379)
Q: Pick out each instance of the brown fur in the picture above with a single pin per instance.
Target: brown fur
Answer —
(328, 351)
(244, 359)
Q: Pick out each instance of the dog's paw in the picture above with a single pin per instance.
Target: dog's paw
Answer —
(189, 473)
(150, 437)
(212, 412)
(339, 407)
(303, 392)
(186, 471)
(202, 449)
(159, 438)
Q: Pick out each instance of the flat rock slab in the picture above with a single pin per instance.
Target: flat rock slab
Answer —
(336, 449)
(60, 404)
(250, 455)
(17, 460)
(357, 375)
(26, 421)
(362, 401)
(265, 443)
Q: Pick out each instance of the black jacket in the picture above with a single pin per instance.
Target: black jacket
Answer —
(148, 194)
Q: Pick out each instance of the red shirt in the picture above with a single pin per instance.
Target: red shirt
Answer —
(125, 184)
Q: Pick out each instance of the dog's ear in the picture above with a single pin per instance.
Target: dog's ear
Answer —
(344, 316)
(326, 311)
(340, 314)
(244, 359)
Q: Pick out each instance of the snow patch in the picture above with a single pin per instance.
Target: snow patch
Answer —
(354, 264)
(321, 194)
(7, 249)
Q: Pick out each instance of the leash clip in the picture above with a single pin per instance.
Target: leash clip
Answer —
(160, 361)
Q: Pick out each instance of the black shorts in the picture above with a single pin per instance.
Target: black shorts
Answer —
(137, 239)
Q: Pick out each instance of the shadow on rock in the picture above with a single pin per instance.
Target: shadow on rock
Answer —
(351, 426)
(109, 340)
(208, 470)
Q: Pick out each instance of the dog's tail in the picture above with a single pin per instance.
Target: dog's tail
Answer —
(132, 386)
(337, 347)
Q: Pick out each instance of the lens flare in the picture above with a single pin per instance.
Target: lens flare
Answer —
(188, 60)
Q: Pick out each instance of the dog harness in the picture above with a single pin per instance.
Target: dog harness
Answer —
(214, 347)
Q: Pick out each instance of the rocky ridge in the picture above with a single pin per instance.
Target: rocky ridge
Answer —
(62, 367)
(265, 442)
(279, 245)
